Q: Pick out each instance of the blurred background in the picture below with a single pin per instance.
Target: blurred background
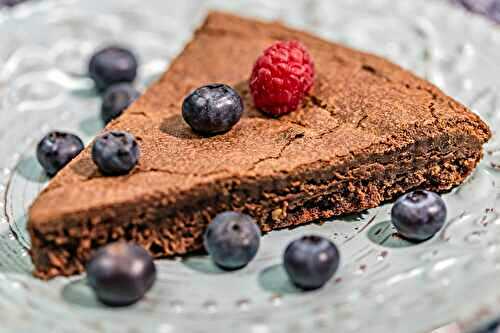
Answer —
(489, 8)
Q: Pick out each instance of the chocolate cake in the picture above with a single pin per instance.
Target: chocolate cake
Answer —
(366, 133)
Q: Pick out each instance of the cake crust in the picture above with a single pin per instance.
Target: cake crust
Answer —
(367, 132)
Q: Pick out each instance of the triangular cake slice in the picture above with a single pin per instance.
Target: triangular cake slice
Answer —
(368, 132)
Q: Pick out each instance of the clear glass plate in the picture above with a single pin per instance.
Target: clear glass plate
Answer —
(384, 284)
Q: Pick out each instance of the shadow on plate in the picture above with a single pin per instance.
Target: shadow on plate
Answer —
(357, 217)
(78, 292)
(384, 234)
(30, 169)
(275, 280)
(202, 264)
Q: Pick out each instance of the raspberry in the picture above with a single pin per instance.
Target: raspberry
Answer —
(281, 77)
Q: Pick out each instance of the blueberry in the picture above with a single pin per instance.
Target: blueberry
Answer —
(212, 109)
(115, 153)
(112, 65)
(232, 239)
(121, 273)
(311, 261)
(419, 215)
(57, 149)
(116, 99)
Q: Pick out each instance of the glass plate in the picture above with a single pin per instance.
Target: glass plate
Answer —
(384, 284)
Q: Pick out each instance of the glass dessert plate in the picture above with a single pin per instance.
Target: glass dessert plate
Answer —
(384, 283)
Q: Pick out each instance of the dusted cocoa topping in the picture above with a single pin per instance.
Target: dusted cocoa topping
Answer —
(367, 132)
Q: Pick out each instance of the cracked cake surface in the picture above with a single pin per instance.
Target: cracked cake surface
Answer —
(367, 132)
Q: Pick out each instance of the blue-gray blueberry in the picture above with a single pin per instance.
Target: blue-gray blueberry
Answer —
(116, 99)
(57, 149)
(311, 261)
(212, 109)
(232, 239)
(115, 152)
(418, 215)
(120, 273)
(112, 65)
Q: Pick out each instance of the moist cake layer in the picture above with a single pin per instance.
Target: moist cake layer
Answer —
(367, 132)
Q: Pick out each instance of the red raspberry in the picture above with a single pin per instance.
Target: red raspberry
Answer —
(281, 77)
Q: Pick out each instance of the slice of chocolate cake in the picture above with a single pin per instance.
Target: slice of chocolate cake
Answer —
(367, 132)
